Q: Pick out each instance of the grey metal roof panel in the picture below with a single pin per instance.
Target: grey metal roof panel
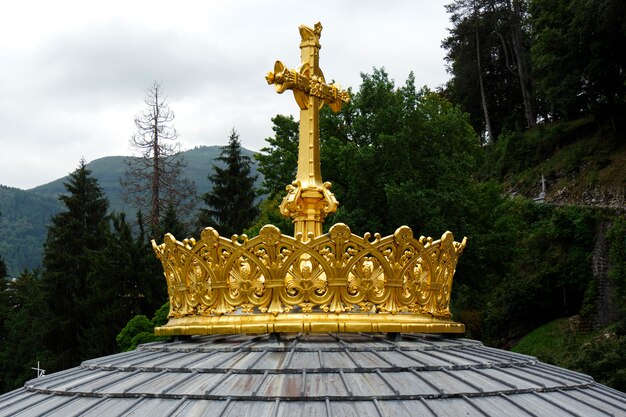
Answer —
(311, 359)
(330, 385)
(332, 374)
(364, 384)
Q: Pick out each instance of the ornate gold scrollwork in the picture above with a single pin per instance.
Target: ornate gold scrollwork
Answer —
(334, 273)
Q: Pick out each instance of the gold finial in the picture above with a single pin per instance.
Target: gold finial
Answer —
(313, 282)
(309, 200)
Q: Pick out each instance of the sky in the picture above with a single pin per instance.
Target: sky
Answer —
(74, 73)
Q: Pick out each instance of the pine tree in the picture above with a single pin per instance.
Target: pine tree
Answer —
(127, 279)
(170, 223)
(74, 235)
(3, 266)
(22, 342)
(231, 203)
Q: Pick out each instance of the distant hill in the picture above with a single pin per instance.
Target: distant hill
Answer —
(23, 226)
(25, 214)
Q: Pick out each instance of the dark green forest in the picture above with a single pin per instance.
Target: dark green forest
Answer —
(536, 88)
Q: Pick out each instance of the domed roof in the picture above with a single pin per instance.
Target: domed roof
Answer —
(315, 374)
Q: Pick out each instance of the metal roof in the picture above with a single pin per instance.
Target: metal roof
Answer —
(315, 375)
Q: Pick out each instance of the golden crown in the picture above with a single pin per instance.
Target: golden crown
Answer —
(313, 282)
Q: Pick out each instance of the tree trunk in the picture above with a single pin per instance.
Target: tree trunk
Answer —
(155, 203)
(522, 68)
(483, 97)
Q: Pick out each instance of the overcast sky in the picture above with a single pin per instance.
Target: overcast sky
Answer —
(73, 73)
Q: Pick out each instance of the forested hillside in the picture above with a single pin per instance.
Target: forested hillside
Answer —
(544, 84)
(25, 214)
(24, 217)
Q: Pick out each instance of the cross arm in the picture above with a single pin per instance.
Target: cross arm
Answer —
(303, 84)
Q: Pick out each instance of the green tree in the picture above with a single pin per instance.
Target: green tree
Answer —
(394, 156)
(279, 160)
(420, 152)
(488, 57)
(578, 57)
(128, 281)
(74, 234)
(3, 265)
(170, 223)
(278, 163)
(140, 329)
(154, 179)
(22, 343)
(231, 203)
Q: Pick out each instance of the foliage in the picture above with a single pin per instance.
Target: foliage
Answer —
(137, 325)
(553, 343)
(545, 261)
(270, 214)
(73, 236)
(517, 151)
(579, 59)
(128, 280)
(544, 59)
(140, 329)
(278, 161)
(155, 179)
(601, 354)
(423, 151)
(231, 203)
(160, 316)
(604, 359)
(616, 237)
(488, 49)
(23, 322)
(170, 223)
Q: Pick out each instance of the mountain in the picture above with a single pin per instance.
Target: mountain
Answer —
(23, 226)
(25, 214)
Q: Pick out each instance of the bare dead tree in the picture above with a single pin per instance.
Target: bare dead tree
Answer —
(154, 179)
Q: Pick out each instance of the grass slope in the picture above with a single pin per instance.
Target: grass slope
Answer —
(599, 353)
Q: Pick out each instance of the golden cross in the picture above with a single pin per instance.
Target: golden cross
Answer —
(308, 199)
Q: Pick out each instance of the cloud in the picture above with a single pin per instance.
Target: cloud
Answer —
(73, 74)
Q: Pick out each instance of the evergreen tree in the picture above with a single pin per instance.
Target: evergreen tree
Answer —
(170, 223)
(22, 343)
(3, 266)
(73, 236)
(128, 280)
(231, 203)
